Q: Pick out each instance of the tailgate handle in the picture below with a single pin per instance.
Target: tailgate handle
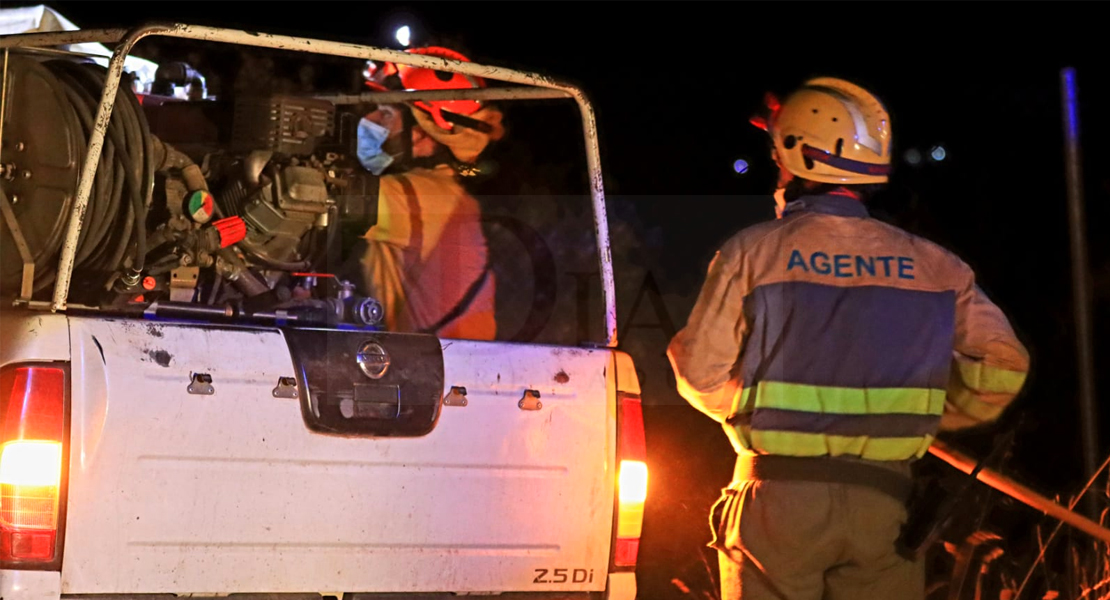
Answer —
(530, 401)
(456, 397)
(286, 388)
(201, 384)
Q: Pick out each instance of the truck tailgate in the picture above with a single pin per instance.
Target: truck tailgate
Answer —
(178, 492)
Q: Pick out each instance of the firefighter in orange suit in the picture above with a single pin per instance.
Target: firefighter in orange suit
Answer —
(427, 259)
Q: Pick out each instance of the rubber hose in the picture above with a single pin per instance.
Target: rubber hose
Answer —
(84, 96)
(128, 137)
(117, 169)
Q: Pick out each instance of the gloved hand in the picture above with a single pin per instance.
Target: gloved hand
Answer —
(465, 144)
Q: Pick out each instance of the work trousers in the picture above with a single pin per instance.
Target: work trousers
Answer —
(801, 540)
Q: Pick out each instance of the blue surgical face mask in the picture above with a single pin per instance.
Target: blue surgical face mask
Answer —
(371, 137)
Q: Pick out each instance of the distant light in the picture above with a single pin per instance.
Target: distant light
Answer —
(913, 156)
(740, 166)
(938, 153)
(404, 35)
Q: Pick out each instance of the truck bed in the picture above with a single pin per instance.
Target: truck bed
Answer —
(186, 492)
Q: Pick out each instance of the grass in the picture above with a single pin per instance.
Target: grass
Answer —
(981, 563)
(989, 566)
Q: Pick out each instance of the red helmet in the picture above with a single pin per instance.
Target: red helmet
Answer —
(420, 78)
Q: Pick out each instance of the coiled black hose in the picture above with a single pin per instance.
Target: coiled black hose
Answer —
(122, 192)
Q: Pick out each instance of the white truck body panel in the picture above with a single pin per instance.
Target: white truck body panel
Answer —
(30, 585)
(172, 492)
(26, 336)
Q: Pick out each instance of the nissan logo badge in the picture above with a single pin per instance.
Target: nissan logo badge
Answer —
(373, 360)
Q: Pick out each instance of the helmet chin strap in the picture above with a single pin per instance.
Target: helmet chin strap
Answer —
(465, 121)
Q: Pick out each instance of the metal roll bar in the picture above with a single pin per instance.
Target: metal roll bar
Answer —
(539, 87)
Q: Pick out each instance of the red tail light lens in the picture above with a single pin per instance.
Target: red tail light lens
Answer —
(32, 431)
(632, 482)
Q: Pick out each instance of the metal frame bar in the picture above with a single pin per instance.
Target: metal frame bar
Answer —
(27, 286)
(3, 94)
(125, 41)
(1081, 284)
(522, 93)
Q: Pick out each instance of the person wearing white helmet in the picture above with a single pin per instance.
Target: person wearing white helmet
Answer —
(832, 348)
(831, 132)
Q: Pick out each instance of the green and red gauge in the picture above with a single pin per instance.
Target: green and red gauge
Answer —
(200, 206)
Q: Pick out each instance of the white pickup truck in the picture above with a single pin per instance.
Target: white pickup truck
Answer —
(169, 445)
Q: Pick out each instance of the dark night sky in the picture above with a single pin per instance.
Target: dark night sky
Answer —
(674, 84)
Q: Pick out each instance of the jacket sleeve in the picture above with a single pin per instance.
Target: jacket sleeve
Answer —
(705, 354)
(394, 222)
(989, 363)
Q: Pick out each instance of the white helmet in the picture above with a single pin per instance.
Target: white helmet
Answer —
(831, 131)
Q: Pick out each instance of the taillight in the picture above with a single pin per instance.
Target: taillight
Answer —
(632, 479)
(32, 418)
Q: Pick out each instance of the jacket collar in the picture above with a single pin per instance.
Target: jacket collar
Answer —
(829, 204)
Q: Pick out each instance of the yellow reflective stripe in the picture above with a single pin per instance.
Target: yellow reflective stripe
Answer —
(836, 400)
(974, 405)
(982, 377)
(789, 443)
(846, 401)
